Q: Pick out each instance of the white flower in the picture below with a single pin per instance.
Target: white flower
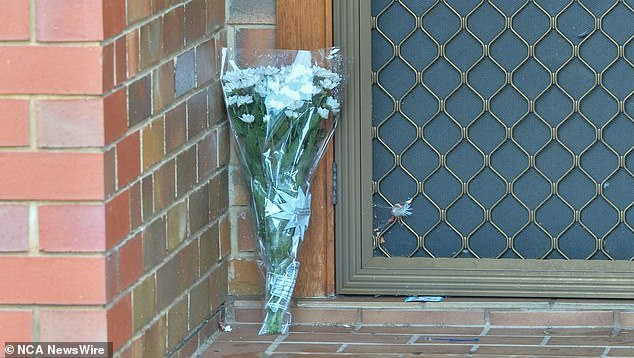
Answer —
(291, 114)
(247, 118)
(321, 72)
(261, 89)
(269, 70)
(232, 100)
(241, 100)
(266, 118)
(328, 84)
(323, 112)
(333, 105)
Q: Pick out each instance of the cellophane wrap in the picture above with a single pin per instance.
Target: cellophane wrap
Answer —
(283, 108)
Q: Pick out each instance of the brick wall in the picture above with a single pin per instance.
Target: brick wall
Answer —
(113, 172)
(250, 23)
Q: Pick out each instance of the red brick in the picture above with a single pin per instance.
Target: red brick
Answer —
(68, 20)
(115, 115)
(552, 318)
(112, 271)
(117, 219)
(113, 17)
(108, 67)
(120, 322)
(121, 54)
(374, 316)
(51, 176)
(72, 228)
(14, 17)
(109, 172)
(14, 120)
(68, 325)
(130, 262)
(14, 219)
(128, 159)
(138, 9)
(70, 123)
(52, 280)
(15, 326)
(51, 70)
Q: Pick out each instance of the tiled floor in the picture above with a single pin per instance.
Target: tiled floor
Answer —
(404, 341)
(458, 328)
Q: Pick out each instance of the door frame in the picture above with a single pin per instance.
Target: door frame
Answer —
(359, 272)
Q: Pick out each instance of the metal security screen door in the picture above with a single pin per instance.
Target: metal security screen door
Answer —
(508, 127)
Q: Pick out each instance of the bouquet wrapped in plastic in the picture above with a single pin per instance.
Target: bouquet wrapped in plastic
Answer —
(283, 108)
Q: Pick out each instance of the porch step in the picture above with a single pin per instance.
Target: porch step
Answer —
(467, 312)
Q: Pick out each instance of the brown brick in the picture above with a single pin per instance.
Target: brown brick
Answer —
(175, 127)
(139, 101)
(132, 44)
(245, 229)
(196, 114)
(321, 347)
(215, 15)
(245, 333)
(177, 320)
(199, 209)
(217, 110)
(550, 318)
(154, 243)
(164, 185)
(167, 283)
(255, 38)
(540, 351)
(209, 248)
(428, 331)
(151, 43)
(223, 192)
(604, 341)
(415, 350)
(199, 299)
(246, 279)
(147, 195)
(135, 205)
(121, 54)
(186, 171)
(176, 225)
(207, 154)
(328, 316)
(249, 315)
(174, 30)
(224, 145)
(219, 286)
(224, 232)
(163, 82)
(621, 352)
(206, 62)
(239, 349)
(154, 344)
(185, 75)
(188, 265)
(153, 143)
(627, 319)
(137, 10)
(143, 303)
(346, 337)
(251, 12)
(375, 316)
(238, 190)
(159, 5)
(195, 20)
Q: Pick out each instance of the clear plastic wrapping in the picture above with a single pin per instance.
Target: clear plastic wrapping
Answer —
(283, 108)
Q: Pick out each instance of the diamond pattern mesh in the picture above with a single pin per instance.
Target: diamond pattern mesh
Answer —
(510, 126)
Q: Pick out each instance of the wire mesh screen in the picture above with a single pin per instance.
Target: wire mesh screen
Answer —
(506, 127)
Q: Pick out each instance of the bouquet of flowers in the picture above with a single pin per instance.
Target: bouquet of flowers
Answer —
(283, 108)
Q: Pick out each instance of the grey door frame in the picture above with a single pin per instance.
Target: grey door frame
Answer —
(359, 272)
